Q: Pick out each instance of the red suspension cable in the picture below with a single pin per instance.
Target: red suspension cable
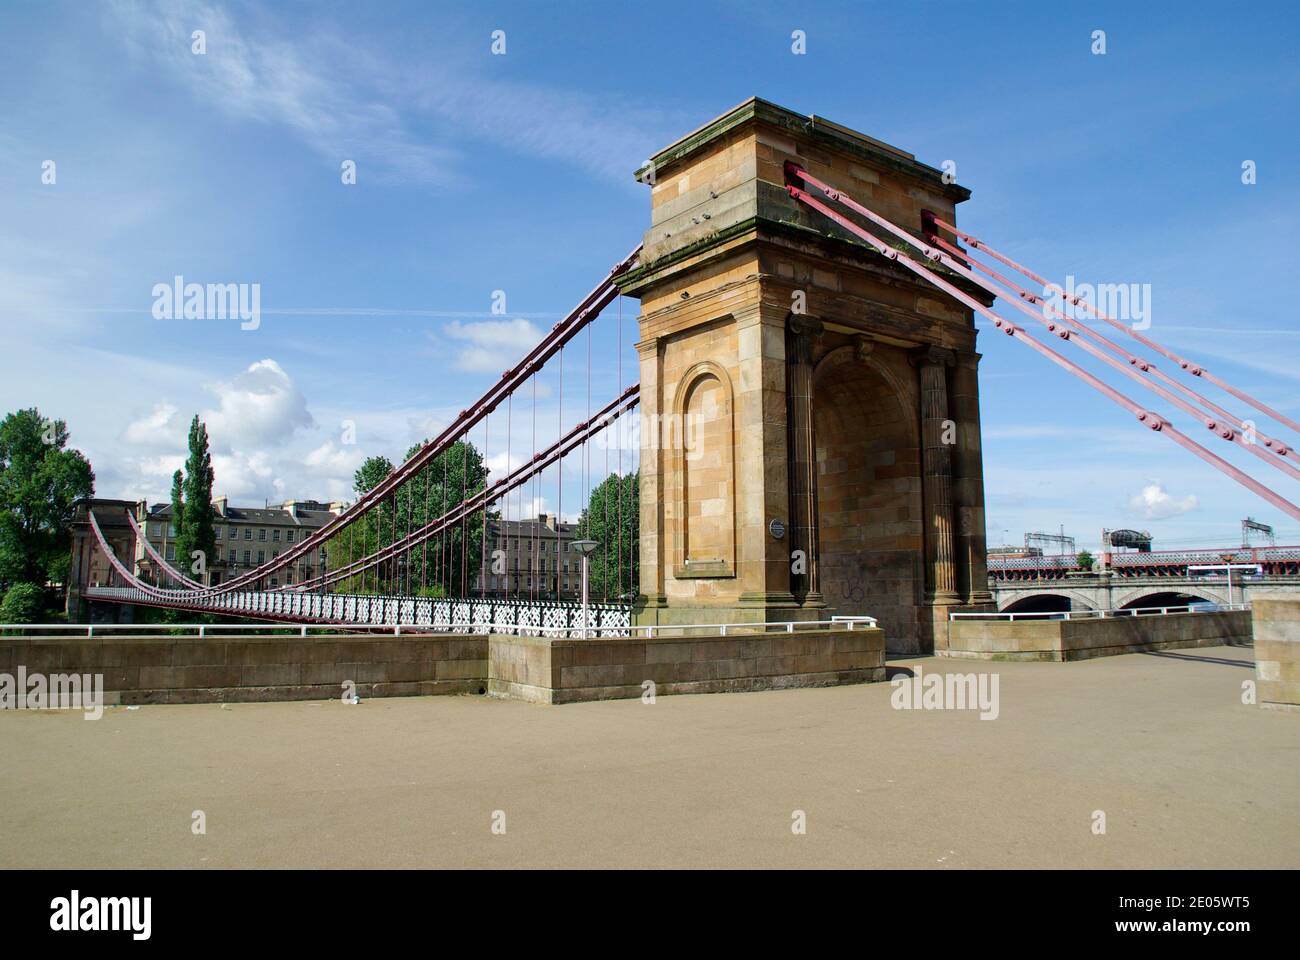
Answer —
(1191, 367)
(1135, 369)
(1152, 420)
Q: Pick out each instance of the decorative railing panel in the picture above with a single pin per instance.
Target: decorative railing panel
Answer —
(542, 618)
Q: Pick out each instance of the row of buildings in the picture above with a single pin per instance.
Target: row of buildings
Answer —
(246, 538)
(534, 558)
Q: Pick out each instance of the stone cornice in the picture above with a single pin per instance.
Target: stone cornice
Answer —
(643, 276)
(821, 131)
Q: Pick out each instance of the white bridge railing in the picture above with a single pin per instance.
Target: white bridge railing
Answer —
(1101, 614)
(468, 615)
(396, 615)
(201, 630)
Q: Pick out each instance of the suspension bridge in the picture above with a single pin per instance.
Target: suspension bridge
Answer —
(806, 404)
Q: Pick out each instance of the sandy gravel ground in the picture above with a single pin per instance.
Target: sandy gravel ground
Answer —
(1186, 774)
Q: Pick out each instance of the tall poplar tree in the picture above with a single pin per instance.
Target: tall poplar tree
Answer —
(197, 532)
(178, 505)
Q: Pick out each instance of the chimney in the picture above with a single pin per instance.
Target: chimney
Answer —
(220, 505)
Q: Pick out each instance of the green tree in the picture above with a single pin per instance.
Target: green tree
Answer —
(1085, 560)
(196, 532)
(445, 565)
(178, 506)
(612, 518)
(40, 481)
(23, 603)
(364, 536)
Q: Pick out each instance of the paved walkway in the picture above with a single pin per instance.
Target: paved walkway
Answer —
(1186, 774)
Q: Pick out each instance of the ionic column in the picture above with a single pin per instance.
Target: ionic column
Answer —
(800, 335)
(968, 483)
(938, 434)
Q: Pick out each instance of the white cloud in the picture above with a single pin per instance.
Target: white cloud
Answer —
(261, 405)
(159, 428)
(243, 474)
(493, 346)
(346, 101)
(1154, 502)
(333, 460)
(500, 464)
(257, 75)
(159, 468)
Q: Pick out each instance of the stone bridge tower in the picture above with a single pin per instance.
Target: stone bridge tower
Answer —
(811, 435)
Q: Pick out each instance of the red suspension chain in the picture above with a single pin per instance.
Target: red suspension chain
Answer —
(1145, 416)
(1191, 367)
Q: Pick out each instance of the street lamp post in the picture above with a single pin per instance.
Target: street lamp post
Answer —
(584, 548)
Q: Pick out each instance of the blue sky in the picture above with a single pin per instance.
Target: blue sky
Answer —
(479, 173)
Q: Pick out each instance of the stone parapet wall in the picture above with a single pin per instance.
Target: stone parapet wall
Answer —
(155, 669)
(1080, 639)
(568, 671)
(1276, 624)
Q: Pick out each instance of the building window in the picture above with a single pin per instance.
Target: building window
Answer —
(261, 534)
(288, 536)
(248, 557)
(217, 532)
(171, 551)
(261, 557)
(275, 582)
(275, 534)
(232, 533)
(248, 533)
(171, 529)
(230, 558)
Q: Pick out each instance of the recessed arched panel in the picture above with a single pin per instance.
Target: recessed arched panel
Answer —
(705, 496)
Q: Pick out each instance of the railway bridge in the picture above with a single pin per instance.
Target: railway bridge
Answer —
(1143, 579)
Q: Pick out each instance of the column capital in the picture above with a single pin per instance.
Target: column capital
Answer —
(649, 347)
(803, 325)
(932, 356)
